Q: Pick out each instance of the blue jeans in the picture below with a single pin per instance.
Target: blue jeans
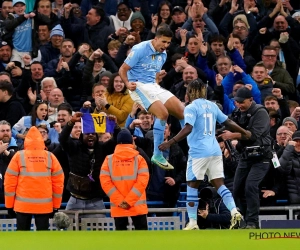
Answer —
(93, 204)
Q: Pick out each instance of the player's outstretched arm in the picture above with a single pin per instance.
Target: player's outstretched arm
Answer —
(232, 126)
(183, 133)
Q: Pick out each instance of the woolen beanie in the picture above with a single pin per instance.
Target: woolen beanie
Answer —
(124, 137)
(57, 30)
(290, 119)
(137, 15)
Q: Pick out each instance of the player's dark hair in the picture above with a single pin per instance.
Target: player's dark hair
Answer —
(196, 89)
(164, 31)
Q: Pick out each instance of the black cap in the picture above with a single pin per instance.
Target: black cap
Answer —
(177, 8)
(296, 136)
(242, 94)
(124, 137)
(3, 43)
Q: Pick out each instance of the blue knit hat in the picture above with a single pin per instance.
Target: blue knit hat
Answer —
(124, 137)
(57, 30)
(18, 1)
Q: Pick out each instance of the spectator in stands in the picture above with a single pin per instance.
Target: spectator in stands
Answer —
(138, 29)
(289, 167)
(94, 69)
(212, 212)
(47, 85)
(49, 145)
(189, 74)
(178, 18)
(5, 54)
(95, 21)
(45, 178)
(52, 49)
(8, 148)
(164, 12)
(290, 123)
(76, 131)
(292, 105)
(104, 78)
(279, 76)
(11, 108)
(98, 90)
(117, 101)
(6, 8)
(261, 77)
(56, 98)
(283, 136)
(127, 195)
(58, 7)
(86, 156)
(43, 34)
(21, 27)
(139, 123)
(31, 80)
(122, 17)
(38, 115)
(44, 7)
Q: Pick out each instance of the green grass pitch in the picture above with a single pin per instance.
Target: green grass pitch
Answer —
(154, 240)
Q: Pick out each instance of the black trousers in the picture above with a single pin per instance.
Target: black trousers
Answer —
(139, 222)
(24, 221)
(248, 176)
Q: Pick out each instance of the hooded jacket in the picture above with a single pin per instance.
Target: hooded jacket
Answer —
(124, 177)
(34, 179)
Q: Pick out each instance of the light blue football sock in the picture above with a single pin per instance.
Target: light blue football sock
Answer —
(192, 196)
(226, 195)
(158, 133)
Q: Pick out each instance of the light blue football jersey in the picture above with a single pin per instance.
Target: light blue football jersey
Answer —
(145, 62)
(203, 115)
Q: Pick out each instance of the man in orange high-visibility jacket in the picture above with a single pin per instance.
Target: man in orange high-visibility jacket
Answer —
(33, 183)
(124, 177)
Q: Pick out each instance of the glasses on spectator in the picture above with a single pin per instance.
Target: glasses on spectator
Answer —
(43, 132)
(123, 10)
(270, 56)
(240, 28)
(76, 8)
(282, 134)
(5, 130)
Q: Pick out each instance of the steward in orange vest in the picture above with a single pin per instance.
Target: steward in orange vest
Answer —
(124, 177)
(33, 183)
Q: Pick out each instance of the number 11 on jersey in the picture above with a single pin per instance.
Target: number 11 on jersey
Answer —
(208, 123)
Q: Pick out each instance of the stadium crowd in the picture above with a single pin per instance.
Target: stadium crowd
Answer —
(61, 57)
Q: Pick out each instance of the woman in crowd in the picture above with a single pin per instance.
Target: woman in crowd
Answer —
(117, 100)
(39, 114)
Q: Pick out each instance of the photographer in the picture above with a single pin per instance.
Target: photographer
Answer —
(255, 154)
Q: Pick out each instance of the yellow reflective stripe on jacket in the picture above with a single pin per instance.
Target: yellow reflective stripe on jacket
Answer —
(36, 200)
(124, 177)
(111, 191)
(35, 174)
(9, 193)
(137, 192)
(12, 172)
(55, 195)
